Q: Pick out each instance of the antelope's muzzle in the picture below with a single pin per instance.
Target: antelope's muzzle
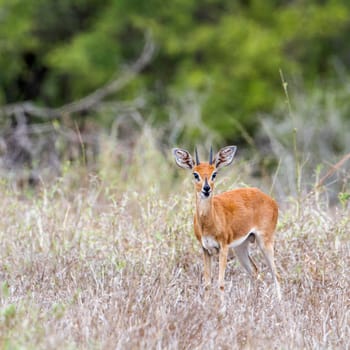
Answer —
(206, 188)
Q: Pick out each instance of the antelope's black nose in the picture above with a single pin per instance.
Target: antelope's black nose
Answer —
(206, 187)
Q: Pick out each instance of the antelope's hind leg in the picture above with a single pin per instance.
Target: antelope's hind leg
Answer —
(245, 259)
(267, 249)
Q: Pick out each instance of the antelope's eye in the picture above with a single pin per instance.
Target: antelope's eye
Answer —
(213, 176)
(196, 176)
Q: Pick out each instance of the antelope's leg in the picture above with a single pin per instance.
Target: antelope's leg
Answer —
(267, 250)
(207, 267)
(245, 259)
(222, 265)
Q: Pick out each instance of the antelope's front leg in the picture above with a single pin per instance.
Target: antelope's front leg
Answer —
(222, 265)
(207, 267)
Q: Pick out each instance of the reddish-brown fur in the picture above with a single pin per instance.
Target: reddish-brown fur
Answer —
(236, 212)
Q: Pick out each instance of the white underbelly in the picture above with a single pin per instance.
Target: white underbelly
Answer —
(211, 244)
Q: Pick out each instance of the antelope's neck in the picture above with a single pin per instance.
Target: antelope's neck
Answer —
(205, 211)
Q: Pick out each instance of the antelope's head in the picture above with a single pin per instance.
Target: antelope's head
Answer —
(204, 173)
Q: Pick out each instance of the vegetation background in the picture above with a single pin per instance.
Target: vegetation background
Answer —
(96, 242)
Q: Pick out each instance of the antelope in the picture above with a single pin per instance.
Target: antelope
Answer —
(230, 219)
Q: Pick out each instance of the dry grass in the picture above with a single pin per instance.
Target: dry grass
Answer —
(108, 264)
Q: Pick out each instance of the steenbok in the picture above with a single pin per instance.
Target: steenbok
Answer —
(231, 219)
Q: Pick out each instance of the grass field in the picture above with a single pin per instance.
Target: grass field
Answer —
(109, 261)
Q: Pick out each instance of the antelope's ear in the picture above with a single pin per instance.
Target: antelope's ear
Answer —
(225, 156)
(183, 159)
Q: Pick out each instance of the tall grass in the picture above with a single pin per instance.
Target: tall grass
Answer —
(308, 137)
(109, 261)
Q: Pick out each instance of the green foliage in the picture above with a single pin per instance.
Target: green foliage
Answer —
(229, 52)
(344, 198)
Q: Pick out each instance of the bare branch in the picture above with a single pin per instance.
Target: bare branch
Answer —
(333, 169)
(98, 95)
(90, 101)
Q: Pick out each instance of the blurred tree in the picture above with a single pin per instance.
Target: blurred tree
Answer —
(228, 51)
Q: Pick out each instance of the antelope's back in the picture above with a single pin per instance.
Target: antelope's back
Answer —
(247, 208)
